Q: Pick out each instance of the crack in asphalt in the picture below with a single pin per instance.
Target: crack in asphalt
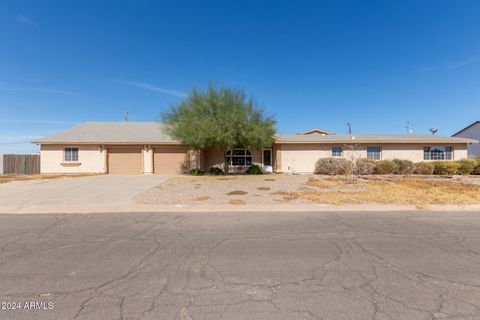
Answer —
(255, 266)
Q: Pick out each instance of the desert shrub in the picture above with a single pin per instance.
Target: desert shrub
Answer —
(254, 169)
(423, 168)
(403, 166)
(215, 171)
(196, 172)
(467, 166)
(364, 166)
(385, 167)
(331, 166)
(476, 170)
(445, 167)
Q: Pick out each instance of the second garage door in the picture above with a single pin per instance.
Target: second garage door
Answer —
(170, 159)
(125, 160)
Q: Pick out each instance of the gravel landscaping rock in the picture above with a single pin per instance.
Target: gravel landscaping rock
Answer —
(264, 189)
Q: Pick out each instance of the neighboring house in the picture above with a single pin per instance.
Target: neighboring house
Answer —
(471, 132)
(143, 147)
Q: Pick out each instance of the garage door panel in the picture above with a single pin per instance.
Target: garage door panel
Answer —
(125, 160)
(170, 159)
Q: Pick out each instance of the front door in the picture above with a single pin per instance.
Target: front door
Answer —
(267, 157)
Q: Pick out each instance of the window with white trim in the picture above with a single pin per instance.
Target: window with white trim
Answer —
(337, 151)
(437, 153)
(70, 155)
(239, 157)
(374, 153)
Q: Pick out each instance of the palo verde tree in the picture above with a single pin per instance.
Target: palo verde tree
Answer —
(222, 118)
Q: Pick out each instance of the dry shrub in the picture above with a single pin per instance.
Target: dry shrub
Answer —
(364, 166)
(403, 166)
(237, 193)
(467, 166)
(385, 167)
(425, 168)
(332, 166)
(237, 202)
(445, 167)
(263, 188)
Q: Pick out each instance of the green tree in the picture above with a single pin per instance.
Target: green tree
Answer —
(222, 118)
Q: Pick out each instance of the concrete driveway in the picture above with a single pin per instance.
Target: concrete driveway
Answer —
(355, 266)
(78, 191)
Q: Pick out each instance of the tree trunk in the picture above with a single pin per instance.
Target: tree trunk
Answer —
(226, 164)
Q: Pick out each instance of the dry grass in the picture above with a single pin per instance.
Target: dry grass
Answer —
(237, 193)
(404, 191)
(237, 202)
(10, 178)
(263, 188)
(269, 179)
(227, 178)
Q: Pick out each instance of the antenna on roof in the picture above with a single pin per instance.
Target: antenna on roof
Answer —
(407, 127)
(433, 130)
(349, 125)
(125, 115)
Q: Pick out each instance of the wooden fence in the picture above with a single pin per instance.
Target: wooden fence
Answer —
(21, 164)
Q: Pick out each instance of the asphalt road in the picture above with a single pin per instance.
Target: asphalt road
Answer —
(384, 265)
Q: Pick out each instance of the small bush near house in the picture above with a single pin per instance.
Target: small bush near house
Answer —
(403, 166)
(445, 167)
(476, 170)
(425, 168)
(196, 172)
(467, 166)
(385, 167)
(254, 169)
(215, 171)
(331, 166)
(364, 166)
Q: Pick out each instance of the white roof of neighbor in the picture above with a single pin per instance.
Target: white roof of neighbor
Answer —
(153, 133)
(367, 138)
(111, 132)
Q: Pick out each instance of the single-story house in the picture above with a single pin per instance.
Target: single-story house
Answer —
(471, 132)
(144, 147)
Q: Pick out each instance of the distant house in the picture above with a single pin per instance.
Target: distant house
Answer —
(472, 132)
(144, 147)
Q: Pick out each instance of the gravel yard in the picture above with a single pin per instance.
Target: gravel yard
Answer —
(262, 189)
(298, 189)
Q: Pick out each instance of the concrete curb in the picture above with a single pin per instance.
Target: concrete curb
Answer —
(85, 209)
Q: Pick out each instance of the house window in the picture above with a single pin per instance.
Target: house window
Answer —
(70, 155)
(336, 151)
(437, 153)
(239, 157)
(374, 153)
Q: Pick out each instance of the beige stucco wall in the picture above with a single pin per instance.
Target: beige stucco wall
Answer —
(91, 159)
(301, 158)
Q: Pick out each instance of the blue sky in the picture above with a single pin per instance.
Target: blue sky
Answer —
(312, 64)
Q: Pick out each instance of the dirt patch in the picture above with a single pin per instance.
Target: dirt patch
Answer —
(202, 198)
(269, 179)
(237, 202)
(237, 193)
(263, 188)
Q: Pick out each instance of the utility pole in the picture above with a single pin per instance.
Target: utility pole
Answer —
(125, 115)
